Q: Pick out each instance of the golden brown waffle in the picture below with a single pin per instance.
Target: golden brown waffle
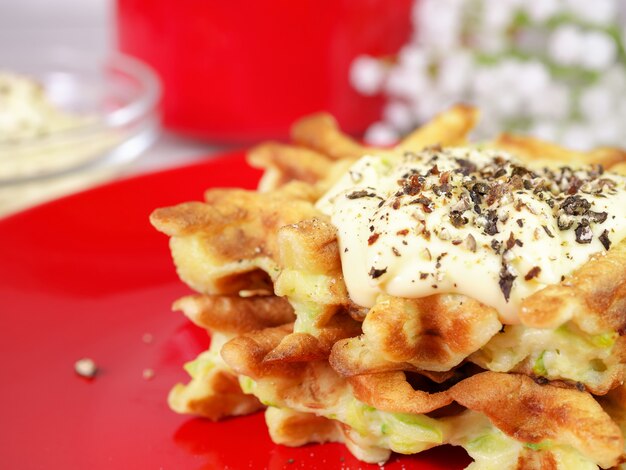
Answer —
(213, 393)
(539, 153)
(593, 297)
(233, 314)
(284, 163)
(214, 390)
(434, 333)
(294, 428)
(515, 404)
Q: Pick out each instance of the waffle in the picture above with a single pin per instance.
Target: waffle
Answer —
(291, 332)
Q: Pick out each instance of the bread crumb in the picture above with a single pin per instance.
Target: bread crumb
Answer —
(148, 374)
(86, 367)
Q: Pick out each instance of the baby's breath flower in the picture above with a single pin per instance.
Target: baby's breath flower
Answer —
(367, 75)
(552, 68)
(381, 134)
(598, 51)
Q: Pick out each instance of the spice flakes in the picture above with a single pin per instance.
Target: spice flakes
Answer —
(496, 219)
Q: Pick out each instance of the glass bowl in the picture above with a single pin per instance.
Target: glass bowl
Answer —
(112, 110)
(113, 107)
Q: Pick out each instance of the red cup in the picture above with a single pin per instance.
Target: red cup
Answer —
(244, 70)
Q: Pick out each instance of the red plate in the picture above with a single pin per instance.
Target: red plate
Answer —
(87, 276)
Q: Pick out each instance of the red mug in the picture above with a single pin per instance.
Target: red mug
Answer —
(244, 70)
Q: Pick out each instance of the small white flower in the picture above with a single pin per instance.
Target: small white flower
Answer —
(509, 71)
(484, 81)
(577, 137)
(614, 79)
(491, 42)
(542, 10)
(621, 106)
(576, 7)
(532, 80)
(599, 50)
(516, 4)
(594, 11)
(497, 15)
(455, 73)
(596, 103)
(621, 112)
(414, 58)
(367, 75)
(439, 23)
(418, 10)
(607, 132)
(509, 104)
(553, 103)
(428, 105)
(404, 83)
(565, 45)
(532, 41)
(398, 115)
(381, 134)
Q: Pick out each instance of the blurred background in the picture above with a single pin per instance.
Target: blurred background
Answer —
(93, 90)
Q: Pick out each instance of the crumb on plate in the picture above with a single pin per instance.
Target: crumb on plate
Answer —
(86, 367)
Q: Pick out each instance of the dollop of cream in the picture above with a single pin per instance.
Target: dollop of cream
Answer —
(28, 112)
(469, 221)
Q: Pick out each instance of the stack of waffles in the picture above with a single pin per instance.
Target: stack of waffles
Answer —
(540, 390)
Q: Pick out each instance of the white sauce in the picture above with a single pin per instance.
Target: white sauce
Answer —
(368, 203)
(38, 137)
(27, 112)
